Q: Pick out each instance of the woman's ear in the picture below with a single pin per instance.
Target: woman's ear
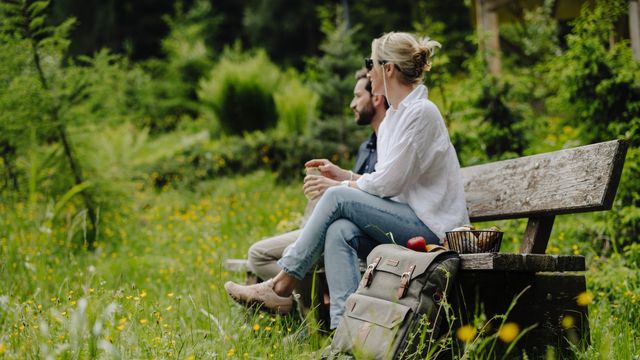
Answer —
(390, 69)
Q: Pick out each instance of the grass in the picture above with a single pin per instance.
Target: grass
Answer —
(153, 287)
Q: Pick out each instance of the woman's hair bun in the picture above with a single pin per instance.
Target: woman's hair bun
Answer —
(425, 51)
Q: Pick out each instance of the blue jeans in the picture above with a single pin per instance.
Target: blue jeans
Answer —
(346, 225)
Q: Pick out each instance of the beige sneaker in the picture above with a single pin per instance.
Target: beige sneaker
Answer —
(261, 294)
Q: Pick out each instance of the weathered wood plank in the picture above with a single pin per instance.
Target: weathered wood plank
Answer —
(486, 261)
(567, 181)
(536, 235)
(236, 265)
(521, 262)
(634, 27)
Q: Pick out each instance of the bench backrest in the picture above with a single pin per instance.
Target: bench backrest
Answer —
(541, 186)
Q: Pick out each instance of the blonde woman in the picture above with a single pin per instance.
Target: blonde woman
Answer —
(416, 188)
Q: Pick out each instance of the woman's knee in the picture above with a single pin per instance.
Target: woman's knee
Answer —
(336, 193)
(340, 233)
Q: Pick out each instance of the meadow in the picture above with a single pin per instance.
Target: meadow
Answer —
(152, 289)
(127, 181)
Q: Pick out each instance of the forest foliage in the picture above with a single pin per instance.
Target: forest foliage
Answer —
(93, 108)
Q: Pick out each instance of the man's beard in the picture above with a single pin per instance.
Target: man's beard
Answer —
(366, 115)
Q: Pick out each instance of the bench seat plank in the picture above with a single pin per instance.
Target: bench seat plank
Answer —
(236, 265)
(521, 262)
(488, 261)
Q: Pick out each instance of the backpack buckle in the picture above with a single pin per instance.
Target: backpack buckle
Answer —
(405, 279)
(368, 274)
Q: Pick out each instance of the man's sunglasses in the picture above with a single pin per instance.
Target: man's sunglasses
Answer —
(368, 63)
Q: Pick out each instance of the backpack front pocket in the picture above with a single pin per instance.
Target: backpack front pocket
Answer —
(370, 326)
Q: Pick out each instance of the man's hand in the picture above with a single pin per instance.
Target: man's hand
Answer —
(315, 185)
(329, 170)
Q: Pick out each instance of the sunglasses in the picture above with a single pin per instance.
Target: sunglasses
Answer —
(368, 63)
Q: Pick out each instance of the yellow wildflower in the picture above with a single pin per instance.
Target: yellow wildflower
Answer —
(256, 327)
(143, 294)
(466, 333)
(190, 357)
(3, 348)
(508, 332)
(584, 298)
(143, 321)
(576, 250)
(231, 352)
(170, 294)
(168, 308)
(568, 321)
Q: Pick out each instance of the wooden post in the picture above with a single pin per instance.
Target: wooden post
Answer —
(489, 33)
(536, 236)
(634, 27)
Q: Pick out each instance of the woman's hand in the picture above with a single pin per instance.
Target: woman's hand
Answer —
(315, 185)
(329, 170)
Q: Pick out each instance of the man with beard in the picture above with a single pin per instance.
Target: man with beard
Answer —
(369, 110)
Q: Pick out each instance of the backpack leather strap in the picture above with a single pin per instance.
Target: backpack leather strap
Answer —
(405, 279)
(368, 274)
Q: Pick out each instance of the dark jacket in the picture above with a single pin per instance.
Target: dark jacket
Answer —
(367, 156)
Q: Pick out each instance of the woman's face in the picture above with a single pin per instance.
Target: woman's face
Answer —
(375, 75)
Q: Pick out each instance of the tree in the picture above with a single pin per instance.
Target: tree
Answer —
(40, 91)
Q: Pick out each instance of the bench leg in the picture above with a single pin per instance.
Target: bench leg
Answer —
(550, 299)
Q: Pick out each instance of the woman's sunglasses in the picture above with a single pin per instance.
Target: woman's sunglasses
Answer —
(368, 63)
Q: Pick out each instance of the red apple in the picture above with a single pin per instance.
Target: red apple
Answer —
(417, 243)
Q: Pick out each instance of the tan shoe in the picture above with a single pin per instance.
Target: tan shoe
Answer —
(261, 294)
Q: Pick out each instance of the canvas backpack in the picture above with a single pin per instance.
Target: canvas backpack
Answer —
(397, 311)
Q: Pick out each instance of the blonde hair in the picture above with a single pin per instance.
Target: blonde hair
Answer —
(411, 55)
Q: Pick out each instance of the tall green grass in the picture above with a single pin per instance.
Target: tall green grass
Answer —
(153, 287)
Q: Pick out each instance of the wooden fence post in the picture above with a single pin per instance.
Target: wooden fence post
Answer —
(634, 27)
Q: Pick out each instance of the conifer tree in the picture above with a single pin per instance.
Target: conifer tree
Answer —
(44, 89)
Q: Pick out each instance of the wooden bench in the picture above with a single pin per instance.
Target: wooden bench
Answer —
(539, 188)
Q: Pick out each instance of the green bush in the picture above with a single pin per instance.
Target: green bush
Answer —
(240, 91)
(282, 153)
(247, 92)
(297, 105)
(598, 85)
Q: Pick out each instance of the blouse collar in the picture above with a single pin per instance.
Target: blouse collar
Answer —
(419, 93)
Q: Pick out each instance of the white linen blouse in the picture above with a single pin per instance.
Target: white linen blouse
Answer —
(417, 164)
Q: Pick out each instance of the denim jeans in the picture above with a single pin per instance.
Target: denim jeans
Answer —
(346, 225)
